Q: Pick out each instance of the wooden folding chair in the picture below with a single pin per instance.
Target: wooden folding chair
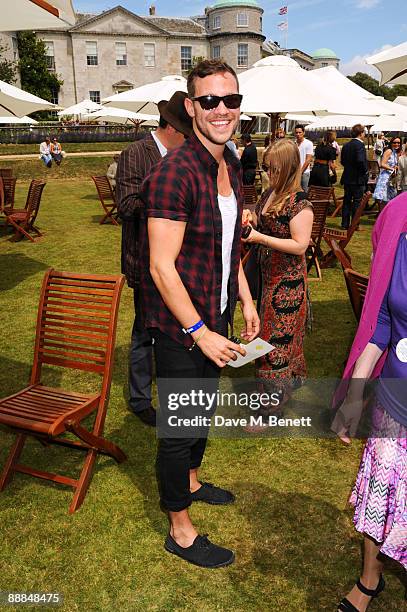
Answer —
(250, 197)
(23, 219)
(357, 286)
(107, 199)
(76, 328)
(320, 208)
(343, 237)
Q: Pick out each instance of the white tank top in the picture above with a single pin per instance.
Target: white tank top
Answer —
(228, 210)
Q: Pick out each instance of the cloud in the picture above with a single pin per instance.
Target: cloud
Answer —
(367, 4)
(358, 64)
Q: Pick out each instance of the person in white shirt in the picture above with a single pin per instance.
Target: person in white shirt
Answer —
(111, 171)
(45, 152)
(306, 149)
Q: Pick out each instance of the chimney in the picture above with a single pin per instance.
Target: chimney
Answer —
(151, 10)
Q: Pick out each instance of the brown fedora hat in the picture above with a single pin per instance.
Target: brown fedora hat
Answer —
(175, 114)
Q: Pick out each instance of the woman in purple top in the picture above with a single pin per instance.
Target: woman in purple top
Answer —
(380, 347)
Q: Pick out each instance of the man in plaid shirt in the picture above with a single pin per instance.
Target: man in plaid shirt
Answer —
(191, 278)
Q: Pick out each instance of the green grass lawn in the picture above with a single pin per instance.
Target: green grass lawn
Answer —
(296, 549)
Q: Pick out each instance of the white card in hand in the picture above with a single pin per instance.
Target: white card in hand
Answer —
(254, 349)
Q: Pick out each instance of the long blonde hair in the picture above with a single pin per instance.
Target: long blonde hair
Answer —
(285, 156)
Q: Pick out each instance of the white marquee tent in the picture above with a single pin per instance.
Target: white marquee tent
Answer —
(392, 64)
(144, 99)
(15, 102)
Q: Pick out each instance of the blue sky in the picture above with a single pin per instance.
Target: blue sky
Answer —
(352, 28)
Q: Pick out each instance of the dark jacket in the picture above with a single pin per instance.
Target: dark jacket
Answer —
(354, 162)
(249, 158)
(134, 165)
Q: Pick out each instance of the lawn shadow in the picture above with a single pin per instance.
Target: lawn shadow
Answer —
(16, 267)
(140, 465)
(294, 538)
(90, 196)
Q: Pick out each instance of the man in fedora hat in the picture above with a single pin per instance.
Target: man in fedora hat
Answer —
(134, 165)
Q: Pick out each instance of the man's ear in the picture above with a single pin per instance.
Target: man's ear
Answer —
(189, 107)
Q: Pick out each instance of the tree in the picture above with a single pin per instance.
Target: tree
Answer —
(370, 84)
(35, 76)
(8, 68)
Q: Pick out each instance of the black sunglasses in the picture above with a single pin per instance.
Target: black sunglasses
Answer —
(210, 102)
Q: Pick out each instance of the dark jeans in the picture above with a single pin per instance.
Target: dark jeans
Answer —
(176, 456)
(140, 361)
(351, 200)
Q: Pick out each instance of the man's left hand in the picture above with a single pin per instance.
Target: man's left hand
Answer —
(252, 321)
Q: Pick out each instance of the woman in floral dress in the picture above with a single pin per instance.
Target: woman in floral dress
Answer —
(284, 223)
(385, 191)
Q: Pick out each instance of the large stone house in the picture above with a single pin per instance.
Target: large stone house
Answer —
(118, 50)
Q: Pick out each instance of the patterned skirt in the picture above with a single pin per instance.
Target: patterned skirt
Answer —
(283, 315)
(380, 492)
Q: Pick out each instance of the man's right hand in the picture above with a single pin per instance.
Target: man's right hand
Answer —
(219, 349)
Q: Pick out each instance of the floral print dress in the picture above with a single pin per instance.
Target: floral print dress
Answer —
(283, 308)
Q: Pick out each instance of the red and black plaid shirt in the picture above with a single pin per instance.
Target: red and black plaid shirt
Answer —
(183, 187)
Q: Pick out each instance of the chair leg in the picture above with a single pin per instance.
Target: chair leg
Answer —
(99, 443)
(12, 460)
(84, 481)
(20, 230)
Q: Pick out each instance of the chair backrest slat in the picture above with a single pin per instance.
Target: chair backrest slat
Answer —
(6, 172)
(340, 255)
(77, 321)
(320, 193)
(9, 188)
(250, 197)
(104, 189)
(357, 286)
(320, 209)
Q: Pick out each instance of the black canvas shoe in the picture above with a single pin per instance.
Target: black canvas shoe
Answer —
(148, 416)
(202, 552)
(210, 494)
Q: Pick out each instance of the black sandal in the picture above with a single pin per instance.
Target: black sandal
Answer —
(346, 606)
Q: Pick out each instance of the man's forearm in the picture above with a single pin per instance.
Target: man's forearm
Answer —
(244, 291)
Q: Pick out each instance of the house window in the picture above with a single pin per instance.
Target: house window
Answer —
(216, 22)
(54, 96)
(242, 20)
(91, 53)
(242, 55)
(95, 96)
(49, 54)
(149, 54)
(121, 54)
(324, 64)
(186, 58)
(15, 48)
(216, 52)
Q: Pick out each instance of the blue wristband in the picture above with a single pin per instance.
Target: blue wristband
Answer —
(194, 328)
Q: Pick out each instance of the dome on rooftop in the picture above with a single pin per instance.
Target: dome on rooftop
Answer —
(324, 54)
(231, 3)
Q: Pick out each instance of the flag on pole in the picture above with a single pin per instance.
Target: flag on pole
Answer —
(283, 25)
(283, 10)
